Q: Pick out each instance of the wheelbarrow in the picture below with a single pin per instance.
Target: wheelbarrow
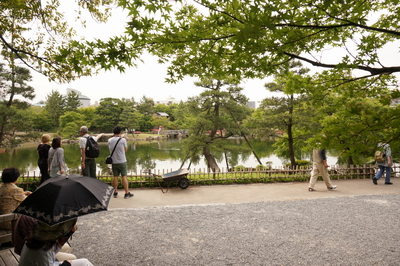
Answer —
(178, 175)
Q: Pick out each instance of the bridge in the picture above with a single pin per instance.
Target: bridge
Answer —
(174, 133)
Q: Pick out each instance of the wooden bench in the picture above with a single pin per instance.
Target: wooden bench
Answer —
(8, 257)
(6, 235)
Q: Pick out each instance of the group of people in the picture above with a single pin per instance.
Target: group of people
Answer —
(320, 167)
(51, 160)
(38, 243)
(117, 146)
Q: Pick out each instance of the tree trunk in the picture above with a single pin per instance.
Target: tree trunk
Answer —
(211, 162)
(290, 133)
(350, 161)
(291, 149)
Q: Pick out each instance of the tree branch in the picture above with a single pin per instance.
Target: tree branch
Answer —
(347, 24)
(374, 71)
(17, 52)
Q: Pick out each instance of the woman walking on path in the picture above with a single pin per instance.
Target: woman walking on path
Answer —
(56, 163)
(43, 152)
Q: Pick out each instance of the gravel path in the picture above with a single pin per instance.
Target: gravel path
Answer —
(358, 230)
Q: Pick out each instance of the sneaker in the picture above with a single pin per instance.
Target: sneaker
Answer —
(115, 194)
(388, 183)
(128, 195)
(375, 181)
(311, 189)
(332, 187)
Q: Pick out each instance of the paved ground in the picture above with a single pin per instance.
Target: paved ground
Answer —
(249, 193)
(263, 224)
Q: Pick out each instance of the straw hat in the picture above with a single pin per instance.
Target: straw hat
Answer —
(46, 233)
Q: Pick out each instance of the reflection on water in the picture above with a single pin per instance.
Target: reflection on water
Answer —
(166, 154)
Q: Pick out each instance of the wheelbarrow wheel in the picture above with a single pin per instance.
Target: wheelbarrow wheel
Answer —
(183, 183)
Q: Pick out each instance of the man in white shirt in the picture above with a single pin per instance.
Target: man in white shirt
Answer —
(88, 165)
(119, 165)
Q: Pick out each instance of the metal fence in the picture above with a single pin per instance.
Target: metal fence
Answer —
(198, 176)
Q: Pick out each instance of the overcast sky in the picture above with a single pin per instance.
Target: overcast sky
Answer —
(145, 80)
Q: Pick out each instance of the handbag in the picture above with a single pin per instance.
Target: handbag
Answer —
(109, 157)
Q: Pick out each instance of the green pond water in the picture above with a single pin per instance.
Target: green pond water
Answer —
(165, 154)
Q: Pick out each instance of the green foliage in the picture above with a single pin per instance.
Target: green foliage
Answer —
(70, 123)
(88, 114)
(130, 118)
(168, 109)
(352, 126)
(239, 168)
(286, 118)
(247, 39)
(281, 148)
(72, 117)
(55, 104)
(107, 114)
(160, 121)
(145, 106)
(181, 116)
(262, 167)
(70, 130)
(40, 119)
(72, 102)
(301, 163)
(40, 51)
(13, 114)
(216, 114)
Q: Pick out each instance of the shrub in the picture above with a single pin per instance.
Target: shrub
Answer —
(301, 163)
(263, 167)
(239, 168)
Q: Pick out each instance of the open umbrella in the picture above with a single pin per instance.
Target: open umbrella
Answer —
(62, 198)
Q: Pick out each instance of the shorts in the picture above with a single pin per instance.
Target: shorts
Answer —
(120, 169)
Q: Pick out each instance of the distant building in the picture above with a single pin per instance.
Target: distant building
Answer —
(251, 104)
(170, 100)
(395, 102)
(161, 114)
(85, 101)
(40, 104)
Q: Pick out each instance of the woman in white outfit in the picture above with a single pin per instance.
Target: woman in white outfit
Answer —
(40, 249)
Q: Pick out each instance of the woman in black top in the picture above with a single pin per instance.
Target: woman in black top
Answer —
(43, 151)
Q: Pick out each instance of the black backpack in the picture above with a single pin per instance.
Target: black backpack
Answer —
(92, 148)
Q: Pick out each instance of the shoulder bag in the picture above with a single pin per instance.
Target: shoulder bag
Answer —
(109, 159)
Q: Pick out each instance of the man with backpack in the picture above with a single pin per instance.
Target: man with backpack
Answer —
(385, 165)
(89, 152)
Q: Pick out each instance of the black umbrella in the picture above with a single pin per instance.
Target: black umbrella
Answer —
(62, 198)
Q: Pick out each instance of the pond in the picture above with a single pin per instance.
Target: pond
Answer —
(142, 155)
